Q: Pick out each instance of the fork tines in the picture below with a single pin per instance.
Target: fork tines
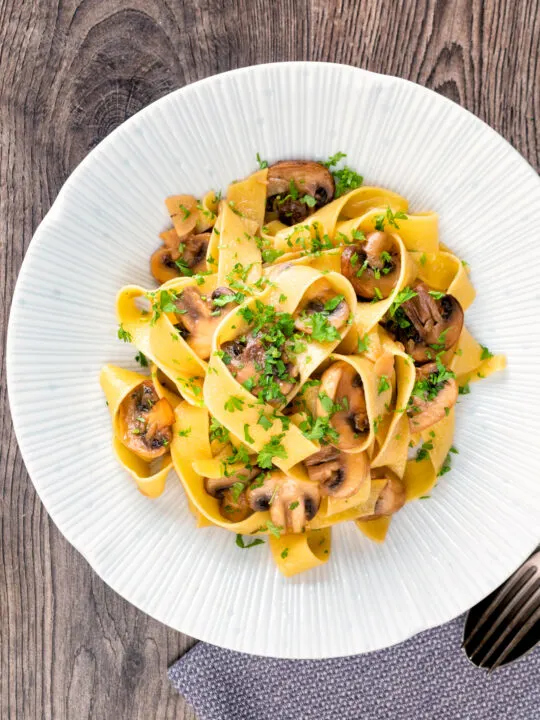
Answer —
(506, 624)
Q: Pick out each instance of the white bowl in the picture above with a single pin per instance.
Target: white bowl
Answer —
(443, 554)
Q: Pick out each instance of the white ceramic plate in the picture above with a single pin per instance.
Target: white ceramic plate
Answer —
(442, 554)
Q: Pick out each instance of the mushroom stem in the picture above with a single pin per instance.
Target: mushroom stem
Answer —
(292, 503)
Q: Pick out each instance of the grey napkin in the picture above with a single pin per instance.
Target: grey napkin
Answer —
(425, 678)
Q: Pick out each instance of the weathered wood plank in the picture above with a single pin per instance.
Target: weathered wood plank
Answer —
(70, 72)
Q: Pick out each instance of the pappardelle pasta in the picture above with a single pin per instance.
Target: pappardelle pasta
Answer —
(306, 349)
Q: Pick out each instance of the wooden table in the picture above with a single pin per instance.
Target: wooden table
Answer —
(70, 72)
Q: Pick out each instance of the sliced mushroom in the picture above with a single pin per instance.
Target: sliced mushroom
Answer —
(145, 422)
(289, 181)
(434, 324)
(319, 299)
(392, 497)
(374, 267)
(292, 503)
(186, 256)
(199, 317)
(338, 474)
(234, 508)
(232, 501)
(162, 266)
(247, 362)
(344, 387)
(433, 400)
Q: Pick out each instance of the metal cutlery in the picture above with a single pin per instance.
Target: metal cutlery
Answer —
(506, 624)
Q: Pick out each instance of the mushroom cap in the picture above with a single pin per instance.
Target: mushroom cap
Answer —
(424, 412)
(247, 360)
(314, 301)
(190, 250)
(199, 318)
(343, 385)
(162, 265)
(234, 508)
(338, 474)
(145, 422)
(392, 497)
(368, 268)
(217, 486)
(436, 324)
(304, 178)
(292, 502)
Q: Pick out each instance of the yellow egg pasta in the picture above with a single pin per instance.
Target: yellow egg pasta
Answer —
(306, 347)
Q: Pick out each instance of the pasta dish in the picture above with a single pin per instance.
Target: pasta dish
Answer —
(302, 358)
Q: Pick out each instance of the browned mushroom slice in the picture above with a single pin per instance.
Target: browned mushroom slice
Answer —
(341, 383)
(230, 491)
(321, 299)
(392, 497)
(177, 257)
(372, 268)
(246, 360)
(198, 318)
(433, 323)
(434, 393)
(145, 422)
(338, 474)
(292, 503)
(162, 266)
(296, 188)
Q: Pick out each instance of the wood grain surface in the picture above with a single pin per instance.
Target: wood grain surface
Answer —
(70, 72)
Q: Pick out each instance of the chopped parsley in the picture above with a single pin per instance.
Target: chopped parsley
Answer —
(184, 433)
(225, 299)
(402, 297)
(436, 294)
(485, 353)
(233, 403)
(264, 422)
(218, 431)
(284, 553)
(237, 489)
(424, 451)
(270, 255)
(124, 334)
(383, 385)
(390, 218)
(241, 544)
(363, 343)
(274, 530)
(345, 179)
(186, 213)
(247, 436)
(163, 301)
(447, 464)
(263, 164)
(273, 448)
(322, 330)
(141, 359)
(464, 389)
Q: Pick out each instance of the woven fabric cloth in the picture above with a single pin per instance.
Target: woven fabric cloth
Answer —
(425, 678)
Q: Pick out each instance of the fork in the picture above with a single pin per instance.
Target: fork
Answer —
(506, 624)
